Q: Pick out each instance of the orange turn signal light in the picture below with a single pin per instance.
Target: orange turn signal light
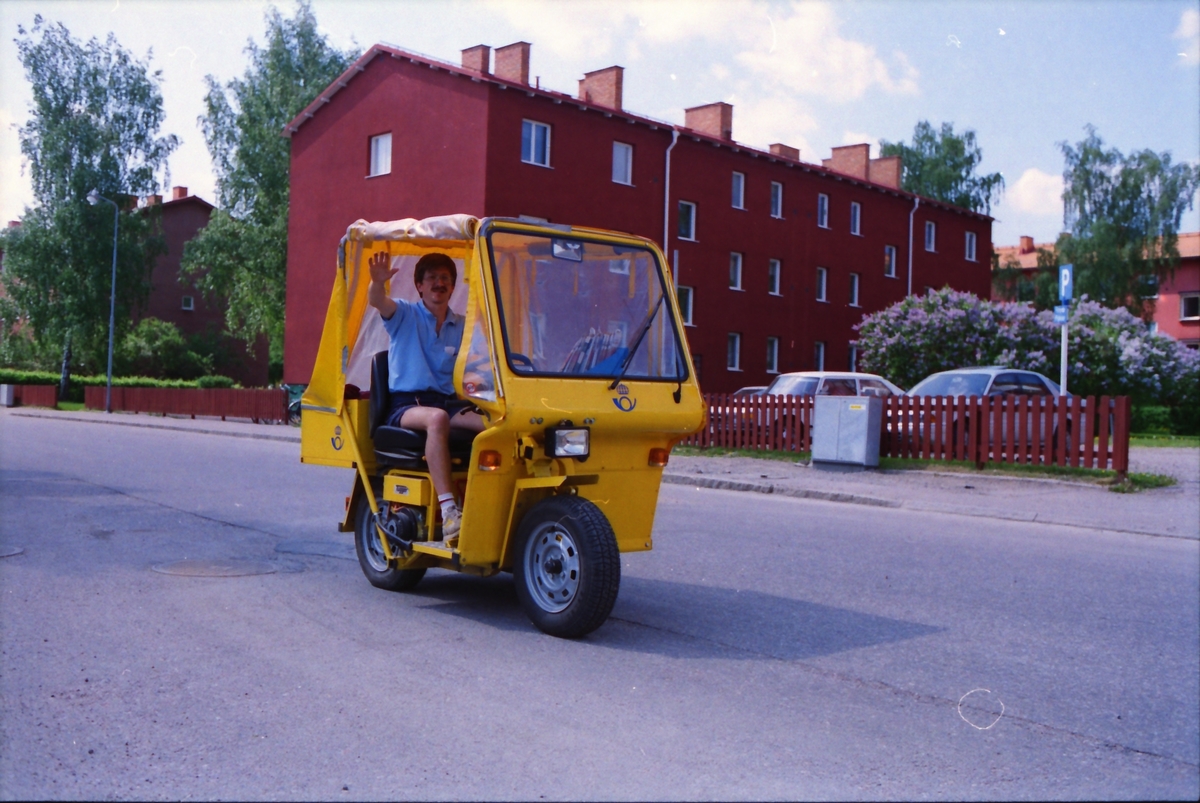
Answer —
(659, 457)
(489, 460)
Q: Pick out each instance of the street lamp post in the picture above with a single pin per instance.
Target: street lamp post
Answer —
(92, 198)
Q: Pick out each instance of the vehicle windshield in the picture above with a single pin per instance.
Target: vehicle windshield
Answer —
(578, 308)
(793, 386)
(952, 384)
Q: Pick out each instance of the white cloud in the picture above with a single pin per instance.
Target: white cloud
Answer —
(1189, 33)
(762, 120)
(804, 53)
(857, 137)
(1037, 193)
(16, 191)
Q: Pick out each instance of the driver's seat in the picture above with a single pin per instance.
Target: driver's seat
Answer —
(397, 447)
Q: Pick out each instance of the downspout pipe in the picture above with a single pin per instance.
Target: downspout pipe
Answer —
(667, 202)
(916, 203)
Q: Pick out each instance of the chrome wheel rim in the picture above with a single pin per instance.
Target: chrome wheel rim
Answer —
(551, 567)
(372, 544)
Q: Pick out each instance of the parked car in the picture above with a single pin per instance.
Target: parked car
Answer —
(831, 383)
(995, 380)
(992, 381)
(821, 383)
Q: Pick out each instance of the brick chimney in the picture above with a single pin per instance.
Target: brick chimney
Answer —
(1026, 246)
(477, 59)
(714, 119)
(853, 160)
(153, 200)
(14, 224)
(512, 62)
(603, 87)
(885, 170)
(786, 151)
(178, 193)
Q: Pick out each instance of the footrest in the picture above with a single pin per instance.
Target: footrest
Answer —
(436, 548)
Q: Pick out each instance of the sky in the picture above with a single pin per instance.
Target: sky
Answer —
(1025, 76)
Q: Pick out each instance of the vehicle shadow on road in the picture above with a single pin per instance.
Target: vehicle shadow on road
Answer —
(687, 620)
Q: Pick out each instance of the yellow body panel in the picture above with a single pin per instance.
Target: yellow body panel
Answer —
(625, 423)
(407, 490)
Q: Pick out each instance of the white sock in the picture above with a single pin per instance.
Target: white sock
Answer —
(447, 503)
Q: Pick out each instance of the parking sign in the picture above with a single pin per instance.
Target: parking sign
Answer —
(1066, 282)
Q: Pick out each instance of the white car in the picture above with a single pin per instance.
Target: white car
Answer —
(831, 383)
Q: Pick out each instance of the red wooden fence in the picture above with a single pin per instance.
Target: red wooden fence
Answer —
(1041, 430)
(257, 405)
(36, 395)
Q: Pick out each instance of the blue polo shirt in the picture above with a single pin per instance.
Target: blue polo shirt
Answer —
(419, 357)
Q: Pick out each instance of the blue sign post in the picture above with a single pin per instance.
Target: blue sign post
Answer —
(1066, 288)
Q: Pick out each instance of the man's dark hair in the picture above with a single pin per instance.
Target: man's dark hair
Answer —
(433, 262)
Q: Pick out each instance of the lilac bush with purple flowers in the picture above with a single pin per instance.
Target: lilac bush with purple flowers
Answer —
(1110, 351)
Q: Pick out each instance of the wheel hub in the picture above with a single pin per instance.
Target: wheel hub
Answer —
(552, 567)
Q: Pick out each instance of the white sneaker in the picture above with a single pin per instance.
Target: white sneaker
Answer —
(451, 524)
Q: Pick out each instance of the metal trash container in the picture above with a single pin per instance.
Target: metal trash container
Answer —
(8, 396)
(846, 431)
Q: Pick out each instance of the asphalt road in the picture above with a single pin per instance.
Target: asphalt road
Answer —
(767, 648)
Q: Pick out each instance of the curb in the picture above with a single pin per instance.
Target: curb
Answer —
(197, 430)
(777, 490)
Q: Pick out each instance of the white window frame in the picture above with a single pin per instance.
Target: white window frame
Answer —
(739, 190)
(733, 352)
(774, 277)
(691, 234)
(819, 355)
(855, 281)
(822, 210)
(823, 284)
(930, 236)
(776, 199)
(622, 171)
(889, 262)
(735, 270)
(772, 355)
(1183, 299)
(530, 158)
(188, 304)
(379, 159)
(856, 218)
(970, 242)
(686, 301)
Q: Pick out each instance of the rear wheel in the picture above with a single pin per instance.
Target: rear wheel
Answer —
(380, 572)
(567, 567)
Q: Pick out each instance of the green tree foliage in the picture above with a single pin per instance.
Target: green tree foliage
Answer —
(1122, 216)
(94, 124)
(241, 257)
(157, 348)
(941, 165)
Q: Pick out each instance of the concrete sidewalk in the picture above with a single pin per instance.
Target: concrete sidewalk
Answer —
(1171, 512)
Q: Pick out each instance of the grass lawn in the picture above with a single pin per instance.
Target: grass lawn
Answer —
(1095, 476)
(1157, 439)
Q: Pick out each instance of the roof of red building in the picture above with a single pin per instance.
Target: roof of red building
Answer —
(377, 50)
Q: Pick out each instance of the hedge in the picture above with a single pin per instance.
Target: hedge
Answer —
(10, 376)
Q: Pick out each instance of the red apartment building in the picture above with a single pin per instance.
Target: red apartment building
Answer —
(175, 299)
(1177, 305)
(776, 259)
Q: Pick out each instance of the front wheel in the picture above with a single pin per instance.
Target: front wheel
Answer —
(567, 568)
(368, 544)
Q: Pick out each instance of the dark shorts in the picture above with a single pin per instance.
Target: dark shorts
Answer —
(402, 402)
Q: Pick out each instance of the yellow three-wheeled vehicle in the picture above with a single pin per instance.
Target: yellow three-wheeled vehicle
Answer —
(574, 353)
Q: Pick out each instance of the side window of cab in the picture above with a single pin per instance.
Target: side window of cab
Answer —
(873, 387)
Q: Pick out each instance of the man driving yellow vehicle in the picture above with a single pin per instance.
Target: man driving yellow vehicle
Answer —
(423, 343)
